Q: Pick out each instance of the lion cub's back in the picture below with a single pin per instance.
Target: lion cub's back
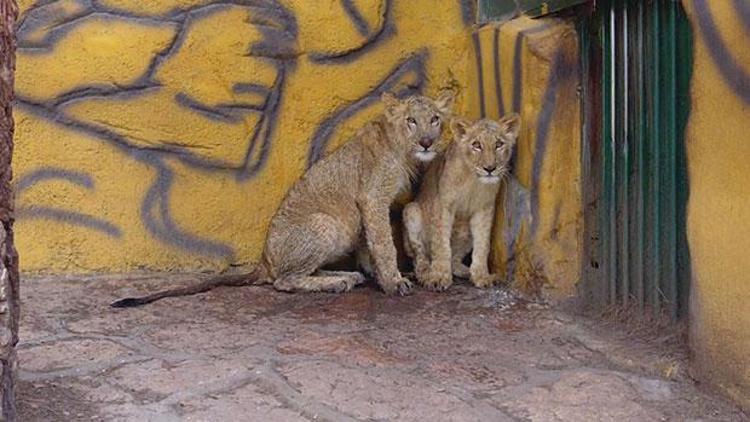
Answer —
(330, 186)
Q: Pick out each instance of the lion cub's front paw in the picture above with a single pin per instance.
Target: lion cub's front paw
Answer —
(437, 280)
(485, 280)
(420, 271)
(401, 286)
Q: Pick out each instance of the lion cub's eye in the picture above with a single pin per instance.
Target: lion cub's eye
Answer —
(498, 145)
(477, 146)
(435, 120)
(412, 121)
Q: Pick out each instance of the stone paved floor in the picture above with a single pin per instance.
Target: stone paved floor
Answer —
(252, 354)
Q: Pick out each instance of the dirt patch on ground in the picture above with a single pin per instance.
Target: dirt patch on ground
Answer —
(53, 400)
(257, 354)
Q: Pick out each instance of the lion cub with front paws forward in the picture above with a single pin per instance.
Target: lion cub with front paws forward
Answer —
(454, 209)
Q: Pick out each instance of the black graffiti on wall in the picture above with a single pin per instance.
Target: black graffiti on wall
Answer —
(563, 68)
(413, 66)
(731, 70)
(277, 46)
(74, 178)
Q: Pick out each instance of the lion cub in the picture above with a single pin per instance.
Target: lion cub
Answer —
(456, 204)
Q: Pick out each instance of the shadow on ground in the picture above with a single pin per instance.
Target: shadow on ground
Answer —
(253, 354)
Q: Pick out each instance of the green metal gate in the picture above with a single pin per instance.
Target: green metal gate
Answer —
(636, 64)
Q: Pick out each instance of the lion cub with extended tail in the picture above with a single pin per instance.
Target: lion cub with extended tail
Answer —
(342, 203)
(453, 212)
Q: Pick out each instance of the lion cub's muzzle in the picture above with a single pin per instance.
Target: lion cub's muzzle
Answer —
(425, 150)
(490, 174)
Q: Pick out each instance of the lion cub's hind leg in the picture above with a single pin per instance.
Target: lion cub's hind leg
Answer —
(321, 281)
(305, 247)
(461, 245)
(414, 239)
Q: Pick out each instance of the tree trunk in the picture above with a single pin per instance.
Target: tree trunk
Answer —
(9, 294)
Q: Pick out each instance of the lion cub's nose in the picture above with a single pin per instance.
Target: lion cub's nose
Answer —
(490, 169)
(425, 142)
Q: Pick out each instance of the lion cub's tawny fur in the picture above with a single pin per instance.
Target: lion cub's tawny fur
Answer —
(455, 207)
(341, 202)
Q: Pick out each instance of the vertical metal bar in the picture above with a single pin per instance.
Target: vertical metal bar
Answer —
(616, 147)
(684, 69)
(625, 204)
(634, 139)
(649, 182)
(591, 31)
(655, 139)
(589, 272)
(612, 158)
(621, 146)
(606, 145)
(640, 174)
(670, 163)
(649, 82)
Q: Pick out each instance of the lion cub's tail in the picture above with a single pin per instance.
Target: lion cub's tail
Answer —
(257, 275)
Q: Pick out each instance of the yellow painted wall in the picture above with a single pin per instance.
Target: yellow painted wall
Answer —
(531, 67)
(719, 205)
(162, 134)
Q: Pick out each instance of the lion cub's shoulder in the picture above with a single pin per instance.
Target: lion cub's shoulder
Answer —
(374, 134)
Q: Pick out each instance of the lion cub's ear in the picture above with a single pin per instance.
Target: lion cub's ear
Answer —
(459, 127)
(445, 101)
(389, 100)
(512, 125)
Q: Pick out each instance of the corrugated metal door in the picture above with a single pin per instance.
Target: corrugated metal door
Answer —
(636, 63)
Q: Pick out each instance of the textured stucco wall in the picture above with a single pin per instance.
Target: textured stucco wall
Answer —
(531, 67)
(719, 206)
(162, 134)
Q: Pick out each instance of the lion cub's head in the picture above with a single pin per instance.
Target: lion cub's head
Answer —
(418, 121)
(487, 145)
